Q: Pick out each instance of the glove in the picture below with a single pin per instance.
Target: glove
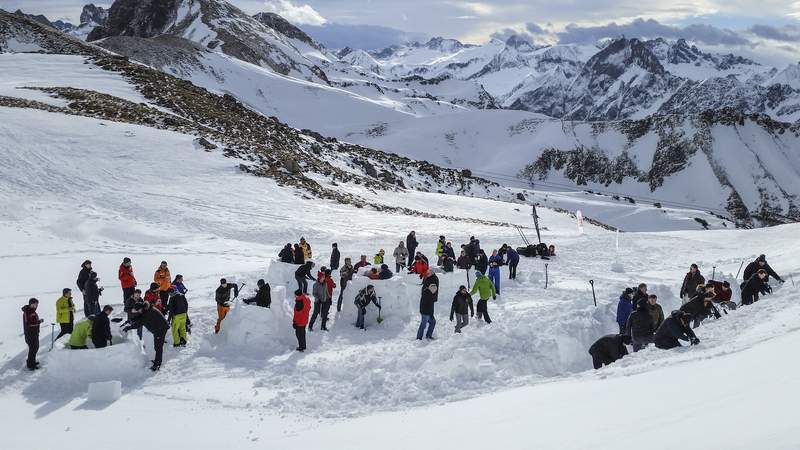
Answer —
(41, 320)
(781, 280)
(494, 297)
(695, 341)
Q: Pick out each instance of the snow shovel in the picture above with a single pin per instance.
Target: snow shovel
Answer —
(380, 302)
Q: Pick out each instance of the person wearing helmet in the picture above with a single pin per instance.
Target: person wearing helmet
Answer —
(178, 316)
(675, 329)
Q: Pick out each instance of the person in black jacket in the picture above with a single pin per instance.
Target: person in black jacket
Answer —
(675, 328)
(83, 275)
(335, 255)
(482, 261)
(641, 293)
(148, 317)
(760, 263)
(299, 256)
(754, 285)
(303, 274)
(178, 317)
(287, 254)
(701, 305)
(608, 349)
(640, 326)
(692, 279)
(30, 328)
(363, 299)
(101, 328)
(91, 296)
(430, 294)
(263, 296)
(462, 304)
(223, 298)
(448, 263)
(411, 246)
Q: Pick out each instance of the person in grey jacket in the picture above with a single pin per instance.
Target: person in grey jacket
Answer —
(400, 256)
(320, 293)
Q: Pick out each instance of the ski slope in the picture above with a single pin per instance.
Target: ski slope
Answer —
(76, 188)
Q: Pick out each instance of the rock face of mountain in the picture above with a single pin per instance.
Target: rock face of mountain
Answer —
(217, 25)
(283, 26)
(58, 24)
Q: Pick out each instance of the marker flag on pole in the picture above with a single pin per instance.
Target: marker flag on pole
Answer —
(579, 216)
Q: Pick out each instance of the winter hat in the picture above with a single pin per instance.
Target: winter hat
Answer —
(223, 281)
(478, 274)
(384, 266)
(726, 284)
(762, 258)
(92, 275)
(334, 245)
(629, 291)
(126, 260)
(261, 282)
(164, 263)
(328, 272)
(85, 263)
(153, 286)
(298, 293)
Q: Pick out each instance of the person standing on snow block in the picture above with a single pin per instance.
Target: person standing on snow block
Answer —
(30, 329)
(335, 255)
(400, 256)
(164, 280)
(640, 326)
(65, 312)
(345, 276)
(302, 307)
(91, 300)
(299, 256)
(675, 328)
(513, 261)
(758, 264)
(420, 267)
(148, 317)
(223, 298)
(302, 275)
(655, 310)
(482, 263)
(363, 299)
(624, 309)
(83, 276)
(81, 333)
(361, 263)
(462, 304)
(178, 317)
(126, 278)
(608, 349)
(494, 270)
(306, 247)
(286, 254)
(263, 297)
(101, 328)
(320, 293)
(411, 246)
(430, 294)
(756, 284)
(692, 279)
(484, 287)
(378, 259)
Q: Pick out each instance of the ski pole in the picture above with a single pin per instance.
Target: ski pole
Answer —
(591, 282)
(468, 286)
(713, 272)
(545, 276)
(52, 336)
(380, 304)
(740, 269)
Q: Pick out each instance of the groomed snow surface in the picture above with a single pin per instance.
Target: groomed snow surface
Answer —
(76, 188)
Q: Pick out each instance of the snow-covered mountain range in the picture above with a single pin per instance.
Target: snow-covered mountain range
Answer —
(436, 101)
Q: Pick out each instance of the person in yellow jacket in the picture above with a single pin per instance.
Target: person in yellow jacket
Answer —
(65, 312)
(378, 259)
(80, 333)
(440, 244)
(164, 280)
(306, 248)
(485, 287)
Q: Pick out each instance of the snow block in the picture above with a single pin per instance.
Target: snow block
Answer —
(69, 369)
(256, 332)
(105, 391)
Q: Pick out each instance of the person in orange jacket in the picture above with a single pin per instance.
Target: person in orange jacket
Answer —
(164, 280)
(126, 278)
(302, 308)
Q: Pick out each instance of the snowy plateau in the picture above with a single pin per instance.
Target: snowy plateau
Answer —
(213, 138)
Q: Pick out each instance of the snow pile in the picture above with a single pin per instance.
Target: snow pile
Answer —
(105, 392)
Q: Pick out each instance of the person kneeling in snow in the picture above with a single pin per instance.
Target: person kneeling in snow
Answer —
(363, 299)
(675, 328)
(608, 349)
(81, 332)
(462, 303)
(145, 315)
(486, 289)
(723, 294)
(302, 308)
(263, 297)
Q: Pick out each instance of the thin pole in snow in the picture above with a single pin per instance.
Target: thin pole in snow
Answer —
(52, 336)
(740, 269)
(714, 273)
(591, 282)
(545, 276)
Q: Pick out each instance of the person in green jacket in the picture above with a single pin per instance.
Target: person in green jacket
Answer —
(378, 259)
(485, 287)
(65, 312)
(80, 333)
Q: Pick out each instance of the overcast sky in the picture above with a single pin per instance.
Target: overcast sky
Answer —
(768, 30)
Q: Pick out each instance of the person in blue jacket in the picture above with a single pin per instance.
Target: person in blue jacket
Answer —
(512, 257)
(179, 286)
(624, 308)
(495, 261)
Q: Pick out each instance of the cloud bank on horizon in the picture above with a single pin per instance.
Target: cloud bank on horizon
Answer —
(722, 25)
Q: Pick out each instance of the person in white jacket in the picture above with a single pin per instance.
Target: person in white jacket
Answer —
(400, 257)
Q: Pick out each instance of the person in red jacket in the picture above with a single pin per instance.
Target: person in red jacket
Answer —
(419, 267)
(302, 308)
(723, 293)
(30, 327)
(326, 305)
(153, 296)
(126, 279)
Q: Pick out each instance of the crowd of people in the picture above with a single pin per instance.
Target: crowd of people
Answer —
(163, 307)
(641, 319)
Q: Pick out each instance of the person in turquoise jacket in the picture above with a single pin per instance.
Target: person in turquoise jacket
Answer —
(80, 334)
(485, 288)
